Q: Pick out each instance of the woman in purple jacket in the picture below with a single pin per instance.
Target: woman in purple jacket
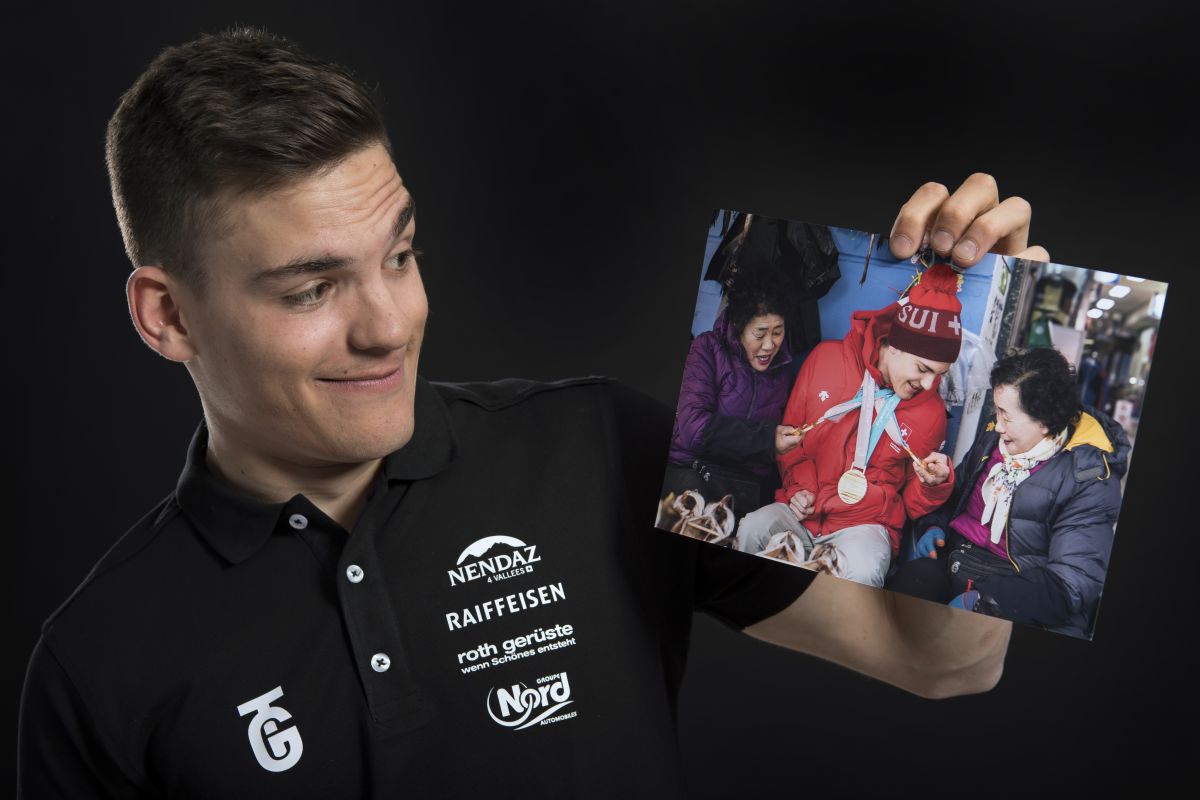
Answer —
(736, 382)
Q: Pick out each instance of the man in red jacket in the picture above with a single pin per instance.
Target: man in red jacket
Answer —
(854, 478)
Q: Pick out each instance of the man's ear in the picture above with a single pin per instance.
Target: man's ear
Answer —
(157, 314)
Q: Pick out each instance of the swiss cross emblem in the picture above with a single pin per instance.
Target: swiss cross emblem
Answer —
(905, 431)
(824, 395)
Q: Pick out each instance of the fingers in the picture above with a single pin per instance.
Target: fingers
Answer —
(1034, 254)
(801, 503)
(929, 548)
(1003, 229)
(937, 463)
(965, 225)
(956, 216)
(934, 470)
(911, 228)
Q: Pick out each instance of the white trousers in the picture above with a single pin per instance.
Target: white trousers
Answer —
(866, 549)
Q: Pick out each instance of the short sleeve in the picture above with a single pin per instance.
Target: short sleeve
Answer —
(736, 588)
(740, 589)
(61, 753)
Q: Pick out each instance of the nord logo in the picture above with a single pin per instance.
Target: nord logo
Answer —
(519, 706)
(496, 558)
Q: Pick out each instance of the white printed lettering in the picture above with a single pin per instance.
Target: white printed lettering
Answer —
(276, 750)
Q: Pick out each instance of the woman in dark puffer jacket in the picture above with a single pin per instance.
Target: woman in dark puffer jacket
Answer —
(1027, 533)
(736, 382)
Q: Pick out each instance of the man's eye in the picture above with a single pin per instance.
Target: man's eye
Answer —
(308, 297)
(403, 259)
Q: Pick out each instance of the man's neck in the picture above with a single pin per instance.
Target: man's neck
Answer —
(339, 490)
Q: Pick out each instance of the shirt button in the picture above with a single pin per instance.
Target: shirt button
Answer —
(380, 662)
(298, 521)
(354, 573)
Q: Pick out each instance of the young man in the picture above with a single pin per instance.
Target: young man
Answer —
(872, 402)
(366, 585)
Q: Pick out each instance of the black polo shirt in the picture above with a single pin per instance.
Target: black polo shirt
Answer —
(503, 620)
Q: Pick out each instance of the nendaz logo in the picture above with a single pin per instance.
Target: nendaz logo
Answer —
(497, 567)
(520, 707)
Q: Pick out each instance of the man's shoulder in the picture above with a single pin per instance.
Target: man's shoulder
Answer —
(126, 557)
(501, 394)
(540, 397)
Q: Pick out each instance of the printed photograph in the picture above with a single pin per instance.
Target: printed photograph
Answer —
(959, 435)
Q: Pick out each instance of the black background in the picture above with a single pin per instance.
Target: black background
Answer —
(566, 160)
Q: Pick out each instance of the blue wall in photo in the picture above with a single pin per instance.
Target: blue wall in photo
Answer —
(886, 278)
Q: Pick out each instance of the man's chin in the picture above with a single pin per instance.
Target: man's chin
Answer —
(360, 447)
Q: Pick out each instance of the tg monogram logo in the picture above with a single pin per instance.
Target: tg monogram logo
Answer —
(275, 749)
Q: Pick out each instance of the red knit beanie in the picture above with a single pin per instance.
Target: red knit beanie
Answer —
(926, 321)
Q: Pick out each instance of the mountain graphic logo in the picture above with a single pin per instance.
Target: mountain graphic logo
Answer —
(493, 558)
(478, 548)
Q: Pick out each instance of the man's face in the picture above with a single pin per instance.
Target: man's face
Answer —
(910, 375)
(308, 334)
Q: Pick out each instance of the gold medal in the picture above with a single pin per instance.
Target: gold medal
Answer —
(852, 486)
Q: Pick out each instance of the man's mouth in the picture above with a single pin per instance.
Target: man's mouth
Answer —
(371, 381)
(914, 388)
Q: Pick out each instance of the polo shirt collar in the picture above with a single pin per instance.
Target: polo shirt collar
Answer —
(237, 525)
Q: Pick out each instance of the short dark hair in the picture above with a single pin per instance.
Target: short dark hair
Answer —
(227, 114)
(1045, 383)
(752, 295)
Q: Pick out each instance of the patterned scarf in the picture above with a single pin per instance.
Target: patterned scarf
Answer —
(1007, 475)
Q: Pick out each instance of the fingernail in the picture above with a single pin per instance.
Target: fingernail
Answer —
(942, 241)
(966, 250)
(901, 244)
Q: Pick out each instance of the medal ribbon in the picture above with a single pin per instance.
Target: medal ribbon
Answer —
(884, 402)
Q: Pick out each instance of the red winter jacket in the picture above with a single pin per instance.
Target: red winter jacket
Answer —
(832, 374)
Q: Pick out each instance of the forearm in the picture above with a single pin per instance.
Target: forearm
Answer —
(921, 647)
(951, 652)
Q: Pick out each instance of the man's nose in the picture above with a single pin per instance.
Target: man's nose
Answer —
(927, 382)
(379, 321)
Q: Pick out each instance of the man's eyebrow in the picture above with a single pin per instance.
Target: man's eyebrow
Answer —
(305, 266)
(298, 267)
(404, 217)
